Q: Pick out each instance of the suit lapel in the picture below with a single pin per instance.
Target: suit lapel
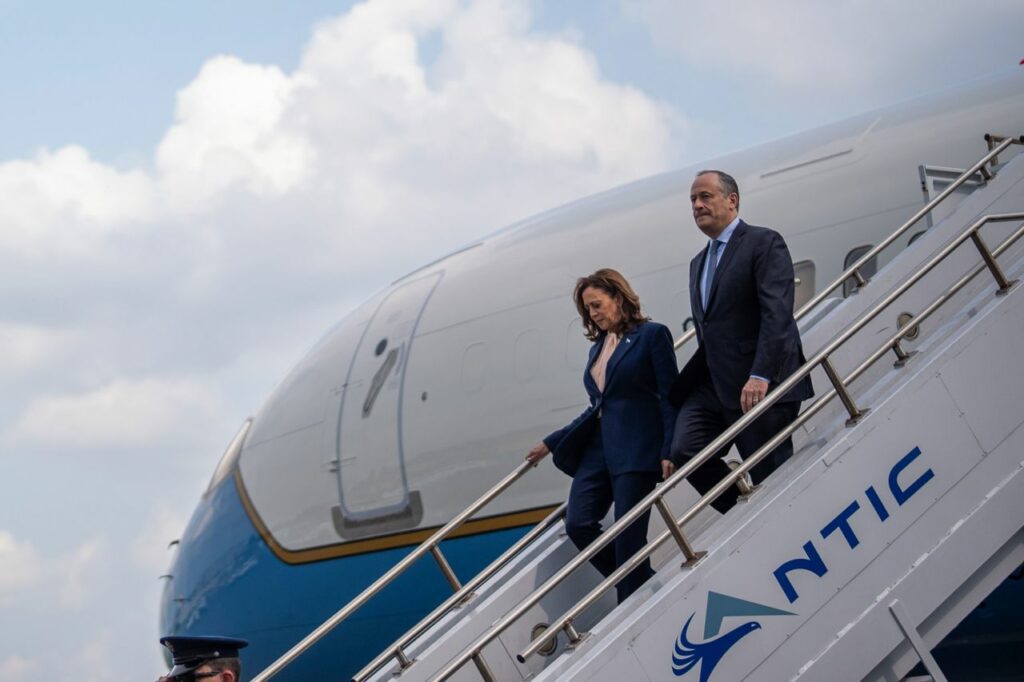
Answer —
(588, 379)
(725, 258)
(626, 344)
(696, 267)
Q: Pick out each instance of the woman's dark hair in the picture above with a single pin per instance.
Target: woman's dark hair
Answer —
(615, 285)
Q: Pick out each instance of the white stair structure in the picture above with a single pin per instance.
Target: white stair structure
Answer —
(902, 508)
(860, 554)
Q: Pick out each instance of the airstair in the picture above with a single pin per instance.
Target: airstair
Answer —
(899, 512)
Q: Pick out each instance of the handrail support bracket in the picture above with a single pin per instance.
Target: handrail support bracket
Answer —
(446, 568)
(403, 660)
(902, 356)
(997, 272)
(855, 412)
(746, 489)
(574, 635)
(485, 670)
(692, 557)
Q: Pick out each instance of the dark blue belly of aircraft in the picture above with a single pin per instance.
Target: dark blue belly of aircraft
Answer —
(226, 581)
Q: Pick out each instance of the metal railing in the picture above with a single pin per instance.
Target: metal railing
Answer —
(463, 593)
(432, 546)
(657, 498)
(840, 388)
(996, 145)
(397, 649)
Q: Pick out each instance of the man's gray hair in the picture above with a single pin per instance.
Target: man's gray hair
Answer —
(726, 183)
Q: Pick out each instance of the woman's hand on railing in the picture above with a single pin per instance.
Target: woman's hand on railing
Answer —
(537, 453)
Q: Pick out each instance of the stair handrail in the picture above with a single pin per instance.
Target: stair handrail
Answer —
(892, 344)
(996, 145)
(657, 497)
(397, 648)
(432, 545)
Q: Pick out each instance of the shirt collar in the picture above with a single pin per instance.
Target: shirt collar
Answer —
(727, 232)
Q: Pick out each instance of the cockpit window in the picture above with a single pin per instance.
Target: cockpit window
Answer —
(230, 456)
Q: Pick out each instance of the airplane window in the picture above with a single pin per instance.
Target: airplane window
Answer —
(867, 270)
(804, 283)
(381, 347)
(230, 456)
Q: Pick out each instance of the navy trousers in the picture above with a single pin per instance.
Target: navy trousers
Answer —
(594, 489)
(703, 418)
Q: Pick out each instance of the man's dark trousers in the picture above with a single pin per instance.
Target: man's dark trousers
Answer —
(703, 418)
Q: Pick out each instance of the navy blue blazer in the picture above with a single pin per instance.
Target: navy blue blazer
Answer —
(748, 327)
(636, 418)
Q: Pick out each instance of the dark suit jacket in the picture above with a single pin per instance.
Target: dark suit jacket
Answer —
(748, 327)
(636, 418)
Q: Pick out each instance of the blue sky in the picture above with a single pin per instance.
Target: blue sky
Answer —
(192, 192)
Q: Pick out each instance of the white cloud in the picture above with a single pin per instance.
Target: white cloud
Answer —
(67, 576)
(230, 131)
(18, 669)
(27, 347)
(76, 575)
(64, 200)
(20, 565)
(407, 129)
(121, 414)
(852, 47)
(95, 660)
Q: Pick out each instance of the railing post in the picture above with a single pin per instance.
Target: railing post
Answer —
(997, 272)
(692, 557)
(484, 669)
(403, 660)
(572, 633)
(901, 355)
(746, 490)
(861, 282)
(855, 412)
(446, 568)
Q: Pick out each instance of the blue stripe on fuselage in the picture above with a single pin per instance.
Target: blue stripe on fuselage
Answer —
(226, 581)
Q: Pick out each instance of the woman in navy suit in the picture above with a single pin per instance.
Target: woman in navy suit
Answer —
(618, 449)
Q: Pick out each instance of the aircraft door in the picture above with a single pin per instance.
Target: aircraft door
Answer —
(373, 490)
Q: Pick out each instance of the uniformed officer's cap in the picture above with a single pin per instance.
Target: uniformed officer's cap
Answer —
(189, 653)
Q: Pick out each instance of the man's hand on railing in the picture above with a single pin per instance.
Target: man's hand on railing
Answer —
(667, 468)
(753, 392)
(537, 453)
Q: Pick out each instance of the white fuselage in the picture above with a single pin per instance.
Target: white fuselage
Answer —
(434, 389)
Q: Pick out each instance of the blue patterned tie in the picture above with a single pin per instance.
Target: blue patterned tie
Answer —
(710, 273)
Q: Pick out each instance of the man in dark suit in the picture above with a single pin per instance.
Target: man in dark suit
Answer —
(741, 296)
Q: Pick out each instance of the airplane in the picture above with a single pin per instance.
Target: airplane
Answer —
(434, 388)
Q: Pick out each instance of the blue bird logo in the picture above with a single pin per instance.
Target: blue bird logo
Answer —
(687, 655)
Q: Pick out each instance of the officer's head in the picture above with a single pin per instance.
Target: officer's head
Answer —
(204, 659)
